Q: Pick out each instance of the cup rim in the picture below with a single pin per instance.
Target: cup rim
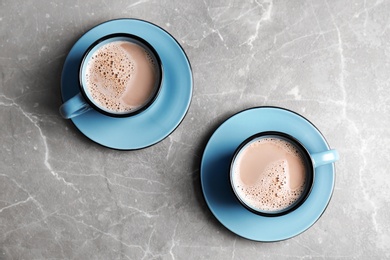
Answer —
(310, 176)
(158, 84)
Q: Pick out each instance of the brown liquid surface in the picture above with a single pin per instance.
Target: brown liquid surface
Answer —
(269, 174)
(121, 76)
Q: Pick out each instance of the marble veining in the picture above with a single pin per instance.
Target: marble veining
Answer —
(65, 197)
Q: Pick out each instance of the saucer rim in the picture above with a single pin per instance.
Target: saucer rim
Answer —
(191, 87)
(207, 201)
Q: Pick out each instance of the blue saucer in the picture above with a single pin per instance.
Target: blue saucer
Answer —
(158, 120)
(214, 174)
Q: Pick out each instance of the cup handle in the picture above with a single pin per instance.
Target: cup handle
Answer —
(74, 107)
(326, 157)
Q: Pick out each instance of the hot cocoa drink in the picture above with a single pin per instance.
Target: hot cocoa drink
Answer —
(121, 76)
(269, 174)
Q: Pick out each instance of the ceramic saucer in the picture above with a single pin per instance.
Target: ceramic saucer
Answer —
(215, 171)
(158, 120)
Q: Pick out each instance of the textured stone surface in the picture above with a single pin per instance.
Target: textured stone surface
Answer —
(64, 197)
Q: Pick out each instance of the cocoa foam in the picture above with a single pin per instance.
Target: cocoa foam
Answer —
(269, 174)
(121, 76)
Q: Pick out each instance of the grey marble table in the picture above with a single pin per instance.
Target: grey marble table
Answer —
(65, 197)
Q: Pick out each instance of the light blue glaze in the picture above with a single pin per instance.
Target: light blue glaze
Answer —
(325, 157)
(74, 107)
(215, 175)
(158, 120)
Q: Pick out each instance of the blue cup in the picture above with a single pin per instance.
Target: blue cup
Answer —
(83, 101)
(311, 161)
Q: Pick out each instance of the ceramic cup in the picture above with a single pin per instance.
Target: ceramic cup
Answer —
(272, 173)
(86, 100)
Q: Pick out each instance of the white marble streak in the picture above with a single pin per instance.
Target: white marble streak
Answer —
(351, 124)
(16, 204)
(265, 17)
(35, 121)
(30, 196)
(173, 243)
